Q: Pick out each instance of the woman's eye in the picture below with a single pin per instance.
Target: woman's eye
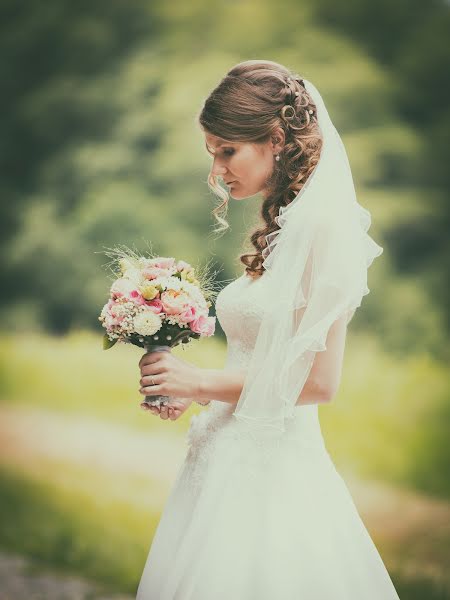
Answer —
(229, 152)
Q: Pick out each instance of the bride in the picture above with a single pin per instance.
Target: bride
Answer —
(258, 510)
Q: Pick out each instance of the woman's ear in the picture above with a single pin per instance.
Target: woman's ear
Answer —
(277, 140)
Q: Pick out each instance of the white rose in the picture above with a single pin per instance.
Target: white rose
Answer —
(122, 287)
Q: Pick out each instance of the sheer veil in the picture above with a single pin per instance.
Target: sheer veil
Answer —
(317, 263)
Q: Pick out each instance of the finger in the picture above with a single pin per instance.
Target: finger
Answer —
(149, 407)
(164, 413)
(153, 369)
(143, 360)
(148, 380)
(151, 357)
(174, 403)
(152, 390)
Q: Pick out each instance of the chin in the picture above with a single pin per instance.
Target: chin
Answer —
(239, 195)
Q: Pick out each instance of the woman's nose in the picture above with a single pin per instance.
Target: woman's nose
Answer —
(218, 169)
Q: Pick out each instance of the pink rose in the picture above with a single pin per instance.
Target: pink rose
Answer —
(203, 325)
(155, 305)
(164, 263)
(189, 315)
(154, 272)
(137, 297)
(175, 302)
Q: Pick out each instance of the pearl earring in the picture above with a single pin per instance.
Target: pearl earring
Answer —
(277, 157)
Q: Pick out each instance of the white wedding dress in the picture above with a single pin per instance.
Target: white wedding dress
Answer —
(267, 523)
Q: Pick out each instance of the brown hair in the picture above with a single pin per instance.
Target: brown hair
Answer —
(248, 105)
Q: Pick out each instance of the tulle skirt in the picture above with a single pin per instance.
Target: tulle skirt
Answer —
(249, 523)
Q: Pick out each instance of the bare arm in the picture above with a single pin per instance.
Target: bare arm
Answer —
(320, 386)
(325, 375)
(221, 384)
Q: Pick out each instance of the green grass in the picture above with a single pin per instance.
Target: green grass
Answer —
(102, 539)
(388, 420)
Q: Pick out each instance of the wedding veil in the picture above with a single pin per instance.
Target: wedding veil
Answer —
(317, 267)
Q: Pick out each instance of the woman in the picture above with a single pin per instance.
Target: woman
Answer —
(258, 510)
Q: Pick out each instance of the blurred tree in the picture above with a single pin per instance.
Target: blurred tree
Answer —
(410, 39)
(51, 54)
(100, 144)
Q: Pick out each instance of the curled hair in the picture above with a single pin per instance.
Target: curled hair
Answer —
(248, 105)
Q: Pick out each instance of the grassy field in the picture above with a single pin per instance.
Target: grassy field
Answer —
(389, 419)
(81, 491)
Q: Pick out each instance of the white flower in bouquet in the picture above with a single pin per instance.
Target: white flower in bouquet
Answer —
(146, 322)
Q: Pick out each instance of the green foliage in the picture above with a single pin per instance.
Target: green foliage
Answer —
(110, 152)
(107, 343)
(411, 46)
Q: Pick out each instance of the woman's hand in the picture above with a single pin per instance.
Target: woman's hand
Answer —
(174, 410)
(171, 376)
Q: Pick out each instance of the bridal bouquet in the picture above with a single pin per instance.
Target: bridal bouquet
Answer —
(155, 303)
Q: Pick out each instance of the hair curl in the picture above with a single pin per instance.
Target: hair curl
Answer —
(248, 105)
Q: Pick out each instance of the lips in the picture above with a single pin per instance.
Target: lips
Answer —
(230, 182)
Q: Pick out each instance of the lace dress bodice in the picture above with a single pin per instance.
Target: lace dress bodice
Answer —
(240, 307)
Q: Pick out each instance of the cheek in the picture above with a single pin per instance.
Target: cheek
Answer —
(245, 166)
(250, 168)
(264, 169)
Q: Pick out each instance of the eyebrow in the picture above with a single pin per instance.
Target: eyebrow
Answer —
(218, 146)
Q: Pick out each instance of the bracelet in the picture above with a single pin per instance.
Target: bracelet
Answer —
(202, 403)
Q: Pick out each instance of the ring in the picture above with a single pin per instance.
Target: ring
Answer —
(153, 381)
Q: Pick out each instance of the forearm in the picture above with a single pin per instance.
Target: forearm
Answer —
(226, 386)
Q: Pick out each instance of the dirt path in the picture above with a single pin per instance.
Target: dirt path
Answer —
(31, 437)
(19, 582)
(84, 440)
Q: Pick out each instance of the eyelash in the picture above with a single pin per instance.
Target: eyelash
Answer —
(229, 150)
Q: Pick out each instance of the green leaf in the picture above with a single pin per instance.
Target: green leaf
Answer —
(107, 343)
